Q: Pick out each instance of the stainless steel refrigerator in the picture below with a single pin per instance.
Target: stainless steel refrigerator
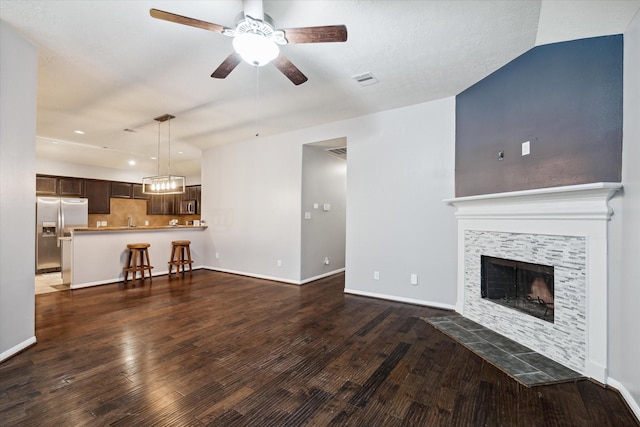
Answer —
(55, 217)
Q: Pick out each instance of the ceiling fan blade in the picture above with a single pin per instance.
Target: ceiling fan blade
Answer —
(253, 8)
(227, 66)
(324, 34)
(179, 19)
(288, 69)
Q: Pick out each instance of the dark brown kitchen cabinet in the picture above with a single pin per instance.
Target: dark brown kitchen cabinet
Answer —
(162, 204)
(46, 186)
(197, 192)
(99, 193)
(71, 187)
(123, 190)
(138, 194)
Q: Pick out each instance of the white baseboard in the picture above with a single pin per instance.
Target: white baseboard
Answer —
(275, 279)
(322, 276)
(257, 276)
(400, 299)
(119, 279)
(626, 395)
(17, 348)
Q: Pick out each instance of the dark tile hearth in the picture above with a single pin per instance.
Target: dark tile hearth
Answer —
(519, 362)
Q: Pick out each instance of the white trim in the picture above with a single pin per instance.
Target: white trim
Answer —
(120, 279)
(575, 202)
(400, 299)
(17, 348)
(322, 276)
(257, 276)
(626, 395)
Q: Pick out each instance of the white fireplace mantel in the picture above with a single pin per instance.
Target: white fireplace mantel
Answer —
(574, 211)
(586, 201)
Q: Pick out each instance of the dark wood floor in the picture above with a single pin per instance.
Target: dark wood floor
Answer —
(224, 350)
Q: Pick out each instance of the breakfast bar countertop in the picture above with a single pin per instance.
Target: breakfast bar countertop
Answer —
(140, 228)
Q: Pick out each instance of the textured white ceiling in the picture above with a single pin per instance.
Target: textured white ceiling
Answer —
(107, 65)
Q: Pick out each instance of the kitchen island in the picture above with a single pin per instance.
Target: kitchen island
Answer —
(98, 254)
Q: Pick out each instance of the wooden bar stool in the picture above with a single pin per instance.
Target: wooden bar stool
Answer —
(137, 260)
(180, 248)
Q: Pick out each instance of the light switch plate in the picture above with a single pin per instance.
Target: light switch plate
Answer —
(526, 148)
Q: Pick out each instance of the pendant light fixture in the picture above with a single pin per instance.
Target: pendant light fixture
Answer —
(164, 184)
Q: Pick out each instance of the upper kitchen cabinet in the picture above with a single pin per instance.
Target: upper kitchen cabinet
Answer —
(138, 194)
(164, 204)
(46, 185)
(71, 187)
(122, 190)
(99, 193)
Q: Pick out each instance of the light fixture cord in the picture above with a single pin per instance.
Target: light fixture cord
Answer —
(169, 148)
(158, 155)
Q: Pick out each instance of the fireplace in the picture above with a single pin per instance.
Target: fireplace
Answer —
(522, 286)
(554, 242)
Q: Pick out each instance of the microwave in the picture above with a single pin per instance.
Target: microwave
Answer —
(188, 207)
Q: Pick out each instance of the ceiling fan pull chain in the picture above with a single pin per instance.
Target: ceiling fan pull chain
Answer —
(257, 101)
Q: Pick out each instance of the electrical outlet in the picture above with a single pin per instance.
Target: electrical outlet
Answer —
(414, 279)
(307, 215)
(526, 148)
(279, 263)
(326, 260)
(501, 155)
(376, 275)
(217, 255)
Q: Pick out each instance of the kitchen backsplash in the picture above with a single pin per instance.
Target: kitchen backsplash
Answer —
(121, 209)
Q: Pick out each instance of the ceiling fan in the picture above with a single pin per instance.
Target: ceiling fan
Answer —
(256, 40)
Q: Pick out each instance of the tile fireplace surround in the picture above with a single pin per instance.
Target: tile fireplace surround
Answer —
(566, 227)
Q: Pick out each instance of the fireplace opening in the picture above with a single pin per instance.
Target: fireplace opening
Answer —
(522, 286)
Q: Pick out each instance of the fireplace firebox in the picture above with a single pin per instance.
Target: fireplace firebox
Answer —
(522, 286)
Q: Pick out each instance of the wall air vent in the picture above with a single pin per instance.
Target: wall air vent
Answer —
(340, 153)
(365, 79)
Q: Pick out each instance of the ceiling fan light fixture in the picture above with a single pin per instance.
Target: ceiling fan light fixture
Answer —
(255, 48)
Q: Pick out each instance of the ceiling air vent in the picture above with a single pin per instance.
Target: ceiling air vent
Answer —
(341, 152)
(365, 79)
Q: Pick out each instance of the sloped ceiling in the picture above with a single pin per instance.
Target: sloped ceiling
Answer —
(107, 66)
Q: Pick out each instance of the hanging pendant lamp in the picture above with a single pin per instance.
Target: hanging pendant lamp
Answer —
(164, 184)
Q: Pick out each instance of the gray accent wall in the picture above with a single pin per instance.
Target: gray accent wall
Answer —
(324, 182)
(565, 99)
(18, 82)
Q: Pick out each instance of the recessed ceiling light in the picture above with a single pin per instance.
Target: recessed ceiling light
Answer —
(154, 158)
(55, 142)
(79, 132)
(132, 162)
(180, 152)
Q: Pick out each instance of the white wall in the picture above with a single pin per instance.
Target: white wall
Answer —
(18, 80)
(324, 180)
(399, 169)
(251, 203)
(397, 176)
(624, 297)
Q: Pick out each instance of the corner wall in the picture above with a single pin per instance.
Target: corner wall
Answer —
(400, 168)
(18, 82)
(324, 181)
(624, 350)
